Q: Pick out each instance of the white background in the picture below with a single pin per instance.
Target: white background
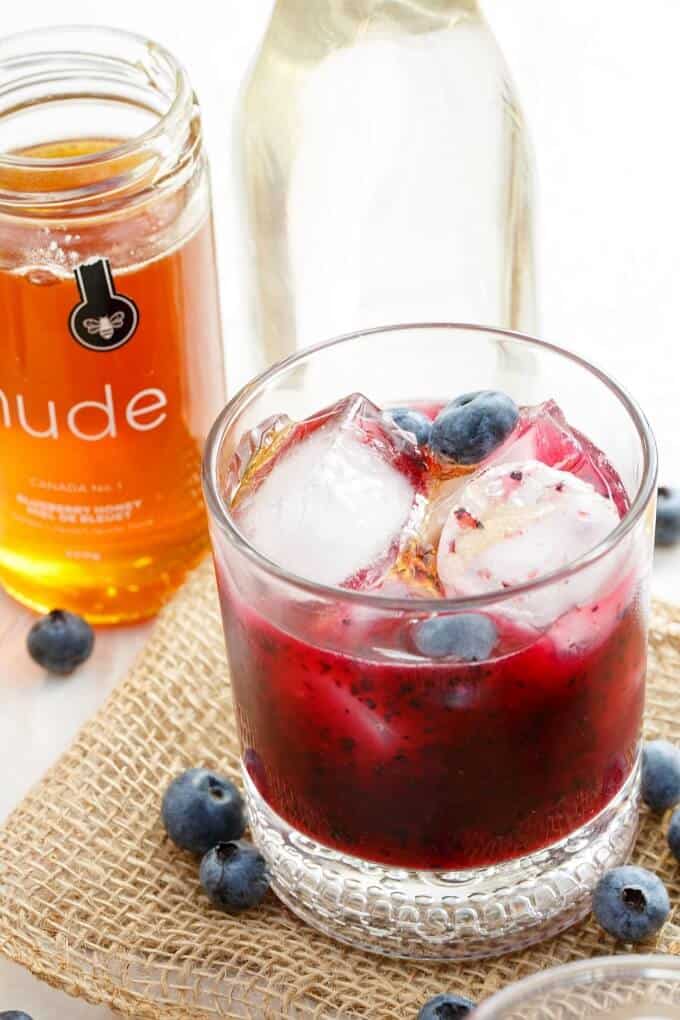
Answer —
(600, 85)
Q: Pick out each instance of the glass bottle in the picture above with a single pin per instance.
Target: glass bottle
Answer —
(111, 360)
(386, 172)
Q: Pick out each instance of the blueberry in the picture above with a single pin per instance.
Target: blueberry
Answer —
(235, 876)
(466, 636)
(674, 834)
(14, 1014)
(60, 641)
(631, 903)
(201, 809)
(471, 427)
(667, 516)
(446, 1007)
(412, 421)
(660, 775)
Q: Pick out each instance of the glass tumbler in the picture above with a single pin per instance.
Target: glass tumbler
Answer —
(111, 357)
(416, 806)
(609, 988)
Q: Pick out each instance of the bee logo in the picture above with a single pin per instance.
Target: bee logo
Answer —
(103, 320)
(104, 325)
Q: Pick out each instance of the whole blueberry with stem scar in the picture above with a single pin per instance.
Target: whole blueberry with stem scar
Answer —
(235, 876)
(60, 642)
(446, 1007)
(631, 903)
(201, 809)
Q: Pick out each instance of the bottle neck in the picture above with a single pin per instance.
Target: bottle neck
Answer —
(311, 29)
(383, 8)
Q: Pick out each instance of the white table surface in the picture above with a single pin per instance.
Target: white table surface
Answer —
(600, 85)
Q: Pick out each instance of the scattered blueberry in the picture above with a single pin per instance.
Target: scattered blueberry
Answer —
(660, 775)
(631, 903)
(667, 516)
(60, 642)
(235, 876)
(674, 834)
(467, 636)
(201, 809)
(446, 1007)
(14, 1014)
(471, 427)
(412, 421)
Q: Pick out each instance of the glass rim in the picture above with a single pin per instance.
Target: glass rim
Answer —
(219, 511)
(647, 965)
(34, 43)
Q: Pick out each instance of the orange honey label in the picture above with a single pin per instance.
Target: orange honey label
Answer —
(110, 375)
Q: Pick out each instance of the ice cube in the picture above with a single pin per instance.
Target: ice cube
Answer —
(333, 495)
(517, 521)
(444, 497)
(544, 434)
(253, 455)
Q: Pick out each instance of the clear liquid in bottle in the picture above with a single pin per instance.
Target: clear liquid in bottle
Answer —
(386, 170)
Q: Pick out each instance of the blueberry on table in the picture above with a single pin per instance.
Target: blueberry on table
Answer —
(660, 775)
(14, 1014)
(446, 1007)
(473, 425)
(467, 636)
(667, 516)
(674, 834)
(201, 809)
(412, 421)
(631, 903)
(234, 876)
(60, 641)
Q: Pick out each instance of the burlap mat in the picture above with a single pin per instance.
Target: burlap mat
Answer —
(94, 899)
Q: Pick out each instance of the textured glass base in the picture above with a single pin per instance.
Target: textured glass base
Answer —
(444, 914)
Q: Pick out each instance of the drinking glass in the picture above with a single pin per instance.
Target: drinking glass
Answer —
(609, 988)
(429, 808)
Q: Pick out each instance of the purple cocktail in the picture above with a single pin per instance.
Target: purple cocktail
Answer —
(437, 662)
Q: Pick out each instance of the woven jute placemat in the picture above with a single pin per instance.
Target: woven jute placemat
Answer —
(96, 901)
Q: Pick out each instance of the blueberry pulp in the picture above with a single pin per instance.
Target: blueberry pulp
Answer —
(446, 1007)
(674, 834)
(358, 752)
(469, 637)
(631, 903)
(412, 421)
(201, 809)
(660, 775)
(667, 516)
(60, 642)
(234, 876)
(473, 425)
